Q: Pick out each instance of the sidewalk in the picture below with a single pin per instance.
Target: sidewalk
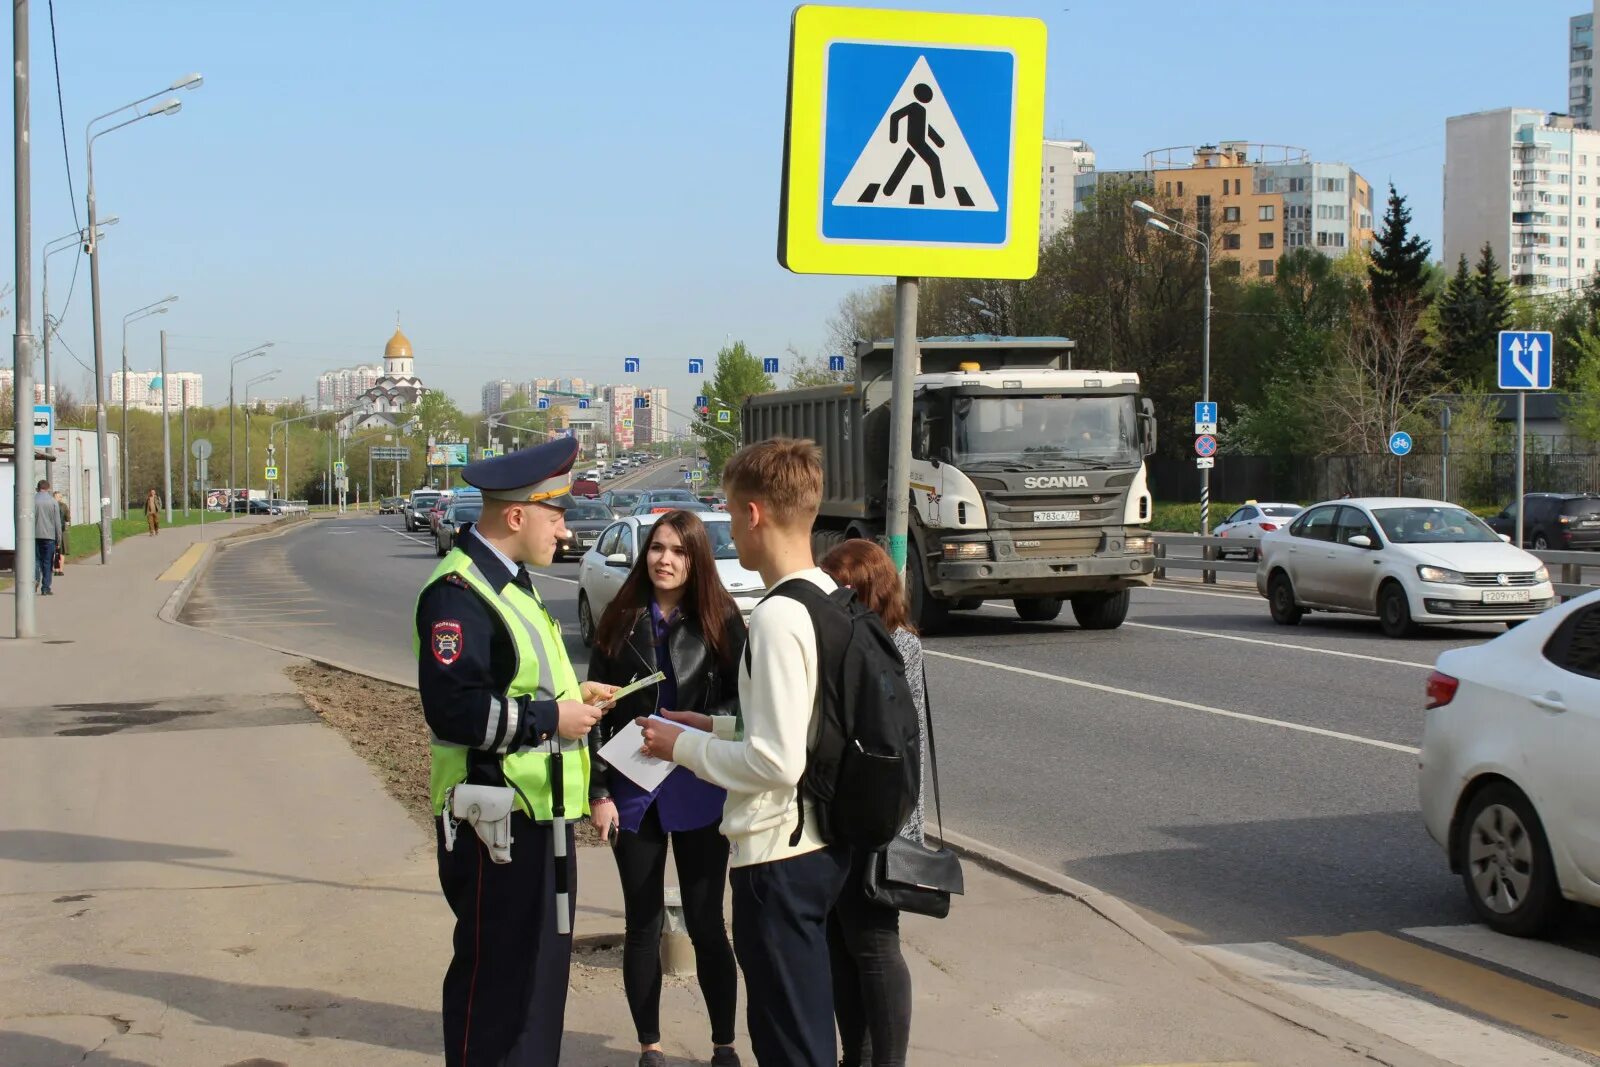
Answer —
(194, 872)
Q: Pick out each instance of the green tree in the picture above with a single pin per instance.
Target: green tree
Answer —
(738, 375)
(1398, 270)
(1472, 311)
(1582, 409)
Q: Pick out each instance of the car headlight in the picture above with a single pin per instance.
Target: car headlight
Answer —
(1541, 575)
(966, 550)
(1137, 543)
(1441, 574)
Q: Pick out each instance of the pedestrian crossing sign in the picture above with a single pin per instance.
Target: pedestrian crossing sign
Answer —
(272, 474)
(913, 144)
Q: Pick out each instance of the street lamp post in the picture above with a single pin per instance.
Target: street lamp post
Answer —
(158, 308)
(169, 106)
(60, 244)
(233, 362)
(257, 380)
(1201, 239)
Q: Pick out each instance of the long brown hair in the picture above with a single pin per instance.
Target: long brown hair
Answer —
(704, 598)
(866, 568)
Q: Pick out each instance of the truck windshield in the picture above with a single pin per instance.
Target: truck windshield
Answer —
(1047, 431)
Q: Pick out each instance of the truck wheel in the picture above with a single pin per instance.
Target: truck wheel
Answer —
(1101, 611)
(825, 541)
(930, 613)
(968, 603)
(1038, 608)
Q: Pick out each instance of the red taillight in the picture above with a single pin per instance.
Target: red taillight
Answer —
(1269, 526)
(1441, 689)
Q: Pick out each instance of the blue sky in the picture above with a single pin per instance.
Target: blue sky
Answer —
(541, 188)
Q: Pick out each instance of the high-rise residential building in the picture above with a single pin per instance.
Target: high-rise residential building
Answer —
(1256, 200)
(1528, 184)
(1062, 162)
(624, 422)
(496, 394)
(8, 385)
(143, 390)
(1580, 66)
(650, 423)
(338, 389)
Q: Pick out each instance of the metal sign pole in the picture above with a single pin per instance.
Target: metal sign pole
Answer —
(22, 350)
(898, 506)
(166, 433)
(1522, 458)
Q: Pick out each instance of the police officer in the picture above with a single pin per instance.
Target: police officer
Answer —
(506, 710)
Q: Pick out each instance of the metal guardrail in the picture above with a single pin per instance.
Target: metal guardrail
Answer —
(1570, 577)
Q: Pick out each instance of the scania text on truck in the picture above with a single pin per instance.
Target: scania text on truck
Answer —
(1028, 480)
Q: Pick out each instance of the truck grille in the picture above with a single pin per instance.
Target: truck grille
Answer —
(1526, 578)
(1054, 545)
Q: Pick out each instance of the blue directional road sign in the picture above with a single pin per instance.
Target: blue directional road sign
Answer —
(583, 402)
(836, 363)
(688, 476)
(1525, 359)
(1400, 443)
(769, 365)
(641, 401)
(542, 403)
(697, 366)
(1205, 416)
(701, 401)
(44, 425)
(630, 365)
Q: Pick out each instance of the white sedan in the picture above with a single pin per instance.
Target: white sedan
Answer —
(606, 566)
(1250, 522)
(1407, 561)
(1509, 747)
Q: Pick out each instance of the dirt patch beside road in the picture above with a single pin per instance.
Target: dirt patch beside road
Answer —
(384, 724)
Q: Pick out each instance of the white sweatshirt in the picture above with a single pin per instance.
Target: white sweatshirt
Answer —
(778, 701)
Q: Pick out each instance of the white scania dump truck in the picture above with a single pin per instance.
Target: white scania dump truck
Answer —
(1027, 479)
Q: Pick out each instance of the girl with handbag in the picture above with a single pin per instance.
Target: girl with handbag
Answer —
(671, 614)
(871, 983)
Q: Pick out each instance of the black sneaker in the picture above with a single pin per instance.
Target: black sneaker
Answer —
(653, 1058)
(724, 1056)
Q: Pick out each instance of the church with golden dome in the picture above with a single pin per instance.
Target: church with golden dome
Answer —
(387, 402)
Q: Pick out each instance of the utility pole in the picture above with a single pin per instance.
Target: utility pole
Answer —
(22, 345)
(904, 375)
(166, 433)
(185, 447)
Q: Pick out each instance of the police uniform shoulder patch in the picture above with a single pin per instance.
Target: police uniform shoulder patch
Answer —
(456, 579)
(446, 641)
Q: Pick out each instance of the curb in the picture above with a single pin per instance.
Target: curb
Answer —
(180, 596)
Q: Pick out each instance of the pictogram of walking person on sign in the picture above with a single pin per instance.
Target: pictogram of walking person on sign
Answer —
(918, 134)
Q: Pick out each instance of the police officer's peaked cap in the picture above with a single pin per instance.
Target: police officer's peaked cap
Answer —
(538, 475)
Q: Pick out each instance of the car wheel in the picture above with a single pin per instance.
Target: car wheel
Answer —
(1505, 863)
(1101, 611)
(1036, 608)
(585, 621)
(1394, 611)
(1540, 541)
(438, 547)
(1280, 599)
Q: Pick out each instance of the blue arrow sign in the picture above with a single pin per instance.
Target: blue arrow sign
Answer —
(769, 365)
(697, 366)
(542, 403)
(630, 365)
(702, 401)
(1400, 443)
(836, 363)
(583, 402)
(641, 401)
(1526, 359)
(1205, 416)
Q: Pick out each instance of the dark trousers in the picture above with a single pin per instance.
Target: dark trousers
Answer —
(44, 562)
(780, 921)
(871, 983)
(505, 993)
(701, 857)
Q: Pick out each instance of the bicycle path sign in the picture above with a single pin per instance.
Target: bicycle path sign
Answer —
(913, 144)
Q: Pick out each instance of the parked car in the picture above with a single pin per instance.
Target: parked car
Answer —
(1405, 560)
(415, 509)
(1509, 746)
(390, 505)
(251, 507)
(606, 565)
(585, 521)
(1249, 522)
(450, 523)
(1559, 521)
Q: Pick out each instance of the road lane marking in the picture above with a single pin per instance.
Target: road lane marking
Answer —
(1448, 1035)
(1490, 993)
(184, 564)
(1168, 587)
(1548, 963)
(1260, 720)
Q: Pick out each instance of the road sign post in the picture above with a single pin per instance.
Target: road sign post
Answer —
(1527, 363)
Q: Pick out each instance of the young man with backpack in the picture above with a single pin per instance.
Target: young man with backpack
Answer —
(796, 802)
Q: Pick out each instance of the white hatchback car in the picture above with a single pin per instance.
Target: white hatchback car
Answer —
(1249, 523)
(1407, 561)
(605, 566)
(1509, 748)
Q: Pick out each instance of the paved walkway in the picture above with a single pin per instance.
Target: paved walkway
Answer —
(194, 871)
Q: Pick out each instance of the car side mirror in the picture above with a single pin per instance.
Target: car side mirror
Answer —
(1506, 538)
(616, 559)
(1360, 541)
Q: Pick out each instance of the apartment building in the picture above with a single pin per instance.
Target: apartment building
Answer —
(1580, 67)
(338, 389)
(497, 394)
(1062, 162)
(143, 390)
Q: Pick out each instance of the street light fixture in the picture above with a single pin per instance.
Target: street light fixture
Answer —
(158, 308)
(1202, 240)
(188, 81)
(60, 244)
(233, 362)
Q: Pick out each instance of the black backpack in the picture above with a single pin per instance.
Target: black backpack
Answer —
(863, 770)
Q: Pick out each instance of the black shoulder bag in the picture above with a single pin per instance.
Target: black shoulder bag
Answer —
(910, 877)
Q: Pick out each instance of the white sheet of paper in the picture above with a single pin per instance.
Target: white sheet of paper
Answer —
(624, 752)
(631, 688)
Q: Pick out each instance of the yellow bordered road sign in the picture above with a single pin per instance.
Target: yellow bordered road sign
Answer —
(913, 144)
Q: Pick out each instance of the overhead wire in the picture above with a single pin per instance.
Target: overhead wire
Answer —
(66, 159)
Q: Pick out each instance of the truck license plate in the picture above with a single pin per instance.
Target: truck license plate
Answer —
(1055, 516)
(1505, 596)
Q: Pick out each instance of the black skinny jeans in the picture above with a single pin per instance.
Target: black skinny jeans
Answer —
(701, 857)
(871, 983)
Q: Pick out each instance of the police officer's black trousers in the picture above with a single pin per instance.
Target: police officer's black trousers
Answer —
(505, 994)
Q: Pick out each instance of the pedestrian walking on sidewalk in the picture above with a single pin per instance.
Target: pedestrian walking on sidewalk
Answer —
(47, 534)
(66, 523)
(152, 513)
(871, 983)
(671, 614)
(785, 876)
(510, 763)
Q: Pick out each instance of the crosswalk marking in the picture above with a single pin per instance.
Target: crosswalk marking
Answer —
(1448, 1035)
(1548, 963)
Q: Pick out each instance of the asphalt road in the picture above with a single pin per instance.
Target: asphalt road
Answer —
(1239, 781)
